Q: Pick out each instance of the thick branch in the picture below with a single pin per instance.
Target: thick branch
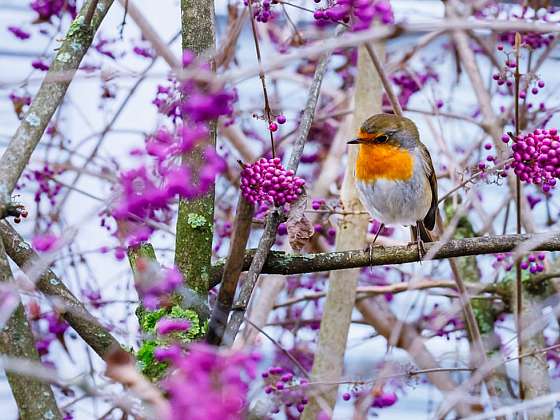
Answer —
(75, 313)
(281, 263)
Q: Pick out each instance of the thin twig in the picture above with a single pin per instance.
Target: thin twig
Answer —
(262, 76)
(395, 104)
(518, 273)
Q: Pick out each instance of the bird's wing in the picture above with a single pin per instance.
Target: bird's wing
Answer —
(430, 219)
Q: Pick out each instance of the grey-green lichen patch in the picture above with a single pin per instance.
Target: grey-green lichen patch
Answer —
(76, 46)
(64, 57)
(54, 281)
(32, 119)
(196, 221)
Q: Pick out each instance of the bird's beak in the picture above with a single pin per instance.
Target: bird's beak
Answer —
(354, 141)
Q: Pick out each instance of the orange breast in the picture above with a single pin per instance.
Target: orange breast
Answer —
(383, 161)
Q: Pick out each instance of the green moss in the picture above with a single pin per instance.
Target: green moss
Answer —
(147, 363)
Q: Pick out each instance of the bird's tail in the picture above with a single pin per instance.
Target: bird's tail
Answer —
(425, 234)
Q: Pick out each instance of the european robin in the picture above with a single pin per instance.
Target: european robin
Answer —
(395, 176)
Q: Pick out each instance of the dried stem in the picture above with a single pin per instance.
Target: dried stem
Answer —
(395, 104)
(160, 47)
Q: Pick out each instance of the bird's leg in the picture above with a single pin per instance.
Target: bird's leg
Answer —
(369, 248)
(419, 242)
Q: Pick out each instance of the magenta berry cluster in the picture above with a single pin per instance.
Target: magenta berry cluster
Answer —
(536, 157)
(532, 40)
(261, 9)
(534, 263)
(47, 9)
(359, 13)
(267, 181)
(286, 390)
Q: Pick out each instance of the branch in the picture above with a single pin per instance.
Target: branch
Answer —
(75, 313)
(232, 270)
(50, 95)
(287, 264)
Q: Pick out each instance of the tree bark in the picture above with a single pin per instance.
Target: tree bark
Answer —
(195, 221)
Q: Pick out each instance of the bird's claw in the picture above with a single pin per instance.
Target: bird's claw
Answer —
(421, 249)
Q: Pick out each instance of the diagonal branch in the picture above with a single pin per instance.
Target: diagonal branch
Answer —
(75, 313)
(232, 270)
(50, 95)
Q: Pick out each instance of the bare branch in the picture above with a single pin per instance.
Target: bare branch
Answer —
(281, 263)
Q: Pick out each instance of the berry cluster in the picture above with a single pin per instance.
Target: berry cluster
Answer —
(361, 13)
(46, 9)
(286, 389)
(536, 157)
(267, 181)
(261, 9)
(532, 40)
(381, 398)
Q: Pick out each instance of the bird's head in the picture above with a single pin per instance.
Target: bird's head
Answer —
(388, 129)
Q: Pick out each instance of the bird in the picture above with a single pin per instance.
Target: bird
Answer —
(395, 176)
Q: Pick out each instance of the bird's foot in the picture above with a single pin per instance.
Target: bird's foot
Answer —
(419, 244)
(421, 249)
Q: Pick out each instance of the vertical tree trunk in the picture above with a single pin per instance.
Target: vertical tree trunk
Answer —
(35, 399)
(193, 247)
(351, 234)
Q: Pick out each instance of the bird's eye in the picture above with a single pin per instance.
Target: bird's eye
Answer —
(381, 139)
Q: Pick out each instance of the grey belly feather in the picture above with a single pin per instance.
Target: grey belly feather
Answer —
(397, 202)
